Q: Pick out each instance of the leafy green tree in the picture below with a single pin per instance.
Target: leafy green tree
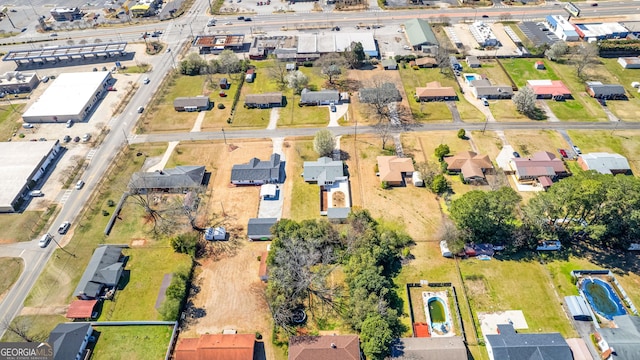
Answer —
(462, 134)
(229, 62)
(376, 337)
(185, 243)
(441, 151)
(440, 184)
(324, 143)
(428, 170)
(355, 55)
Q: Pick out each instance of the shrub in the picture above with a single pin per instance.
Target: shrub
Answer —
(384, 185)
(462, 134)
(415, 67)
(258, 336)
(111, 203)
(21, 136)
(307, 64)
(220, 106)
(105, 213)
(375, 168)
(406, 252)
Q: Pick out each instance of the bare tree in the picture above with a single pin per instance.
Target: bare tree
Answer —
(297, 81)
(442, 58)
(584, 56)
(278, 73)
(556, 51)
(332, 65)
(525, 100)
(22, 326)
(382, 99)
(229, 62)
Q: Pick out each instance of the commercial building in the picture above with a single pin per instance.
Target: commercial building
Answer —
(562, 28)
(420, 35)
(601, 31)
(65, 14)
(145, 8)
(96, 52)
(308, 47)
(14, 82)
(23, 164)
(215, 44)
(70, 97)
(483, 34)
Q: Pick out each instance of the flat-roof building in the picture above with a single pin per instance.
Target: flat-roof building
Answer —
(483, 34)
(601, 31)
(562, 28)
(70, 97)
(20, 164)
(307, 47)
(214, 44)
(14, 82)
(66, 14)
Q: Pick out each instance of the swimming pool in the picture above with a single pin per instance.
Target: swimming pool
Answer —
(602, 298)
(470, 77)
(437, 313)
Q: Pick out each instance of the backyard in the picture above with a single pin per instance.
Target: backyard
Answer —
(623, 142)
(136, 342)
(307, 199)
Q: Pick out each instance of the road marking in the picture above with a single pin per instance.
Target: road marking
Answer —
(21, 252)
(91, 154)
(65, 196)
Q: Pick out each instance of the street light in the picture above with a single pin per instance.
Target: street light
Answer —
(224, 136)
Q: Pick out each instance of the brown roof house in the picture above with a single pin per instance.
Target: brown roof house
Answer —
(426, 62)
(433, 91)
(471, 165)
(216, 347)
(543, 167)
(264, 101)
(393, 169)
(336, 347)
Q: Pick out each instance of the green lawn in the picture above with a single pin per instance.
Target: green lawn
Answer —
(160, 114)
(626, 143)
(294, 115)
(505, 110)
(10, 121)
(21, 227)
(305, 197)
(39, 326)
(626, 110)
(434, 111)
(132, 342)
(11, 270)
(500, 285)
(147, 267)
(581, 108)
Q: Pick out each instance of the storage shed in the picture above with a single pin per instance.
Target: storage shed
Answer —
(578, 308)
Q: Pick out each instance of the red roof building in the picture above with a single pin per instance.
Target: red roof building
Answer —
(421, 330)
(543, 167)
(216, 347)
(549, 89)
(336, 347)
(81, 309)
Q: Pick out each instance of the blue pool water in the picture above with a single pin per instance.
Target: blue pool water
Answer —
(602, 298)
(470, 77)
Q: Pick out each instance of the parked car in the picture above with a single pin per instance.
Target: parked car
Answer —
(27, 126)
(240, 17)
(64, 227)
(86, 137)
(53, 35)
(79, 184)
(44, 240)
(45, 79)
(36, 193)
(66, 138)
(563, 152)
(69, 123)
(76, 139)
(516, 154)
(332, 106)
(485, 102)
(577, 150)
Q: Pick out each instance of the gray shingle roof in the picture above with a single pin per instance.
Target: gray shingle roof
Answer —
(258, 170)
(104, 268)
(323, 169)
(66, 339)
(420, 33)
(601, 89)
(197, 101)
(449, 348)
(385, 93)
(625, 339)
(509, 345)
(264, 99)
(316, 97)
(260, 228)
(180, 177)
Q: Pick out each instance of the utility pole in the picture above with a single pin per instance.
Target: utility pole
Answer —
(486, 120)
(61, 248)
(224, 136)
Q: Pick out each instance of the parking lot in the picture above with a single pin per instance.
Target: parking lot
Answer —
(507, 48)
(536, 34)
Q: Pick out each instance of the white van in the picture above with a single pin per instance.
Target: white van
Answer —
(36, 193)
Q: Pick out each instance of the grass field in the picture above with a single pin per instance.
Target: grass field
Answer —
(131, 342)
(147, 267)
(160, 114)
(39, 326)
(529, 142)
(434, 111)
(21, 227)
(10, 119)
(11, 270)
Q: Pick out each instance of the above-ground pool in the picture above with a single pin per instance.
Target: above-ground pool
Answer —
(437, 313)
(602, 298)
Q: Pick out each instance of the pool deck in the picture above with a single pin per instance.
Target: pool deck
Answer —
(489, 321)
(442, 295)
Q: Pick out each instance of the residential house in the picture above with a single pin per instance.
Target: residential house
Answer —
(508, 344)
(216, 347)
(385, 93)
(264, 101)
(429, 348)
(175, 180)
(484, 89)
(224, 84)
(258, 172)
(605, 163)
(539, 65)
(598, 90)
(103, 271)
(426, 62)
(322, 97)
(629, 62)
(393, 170)
(389, 64)
(82, 309)
(433, 91)
(335, 193)
(70, 340)
(621, 342)
(250, 75)
(194, 103)
(472, 165)
(579, 349)
(260, 228)
(472, 61)
(549, 89)
(342, 347)
(421, 36)
(543, 167)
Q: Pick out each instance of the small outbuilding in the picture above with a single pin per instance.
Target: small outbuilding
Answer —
(224, 84)
(269, 191)
(260, 228)
(578, 308)
(539, 65)
(217, 233)
(416, 179)
(250, 75)
(389, 64)
(444, 249)
(473, 61)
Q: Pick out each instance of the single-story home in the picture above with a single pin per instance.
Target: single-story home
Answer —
(250, 75)
(324, 171)
(426, 62)
(543, 167)
(175, 180)
(70, 340)
(335, 193)
(389, 64)
(216, 347)
(605, 163)
(82, 309)
(260, 228)
(224, 84)
(472, 165)
(103, 271)
(386, 92)
(393, 170)
(508, 344)
(342, 347)
(484, 89)
(621, 342)
(429, 348)
(264, 101)
(629, 62)
(321, 97)
(433, 91)
(598, 90)
(549, 89)
(194, 103)
(473, 61)
(258, 172)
